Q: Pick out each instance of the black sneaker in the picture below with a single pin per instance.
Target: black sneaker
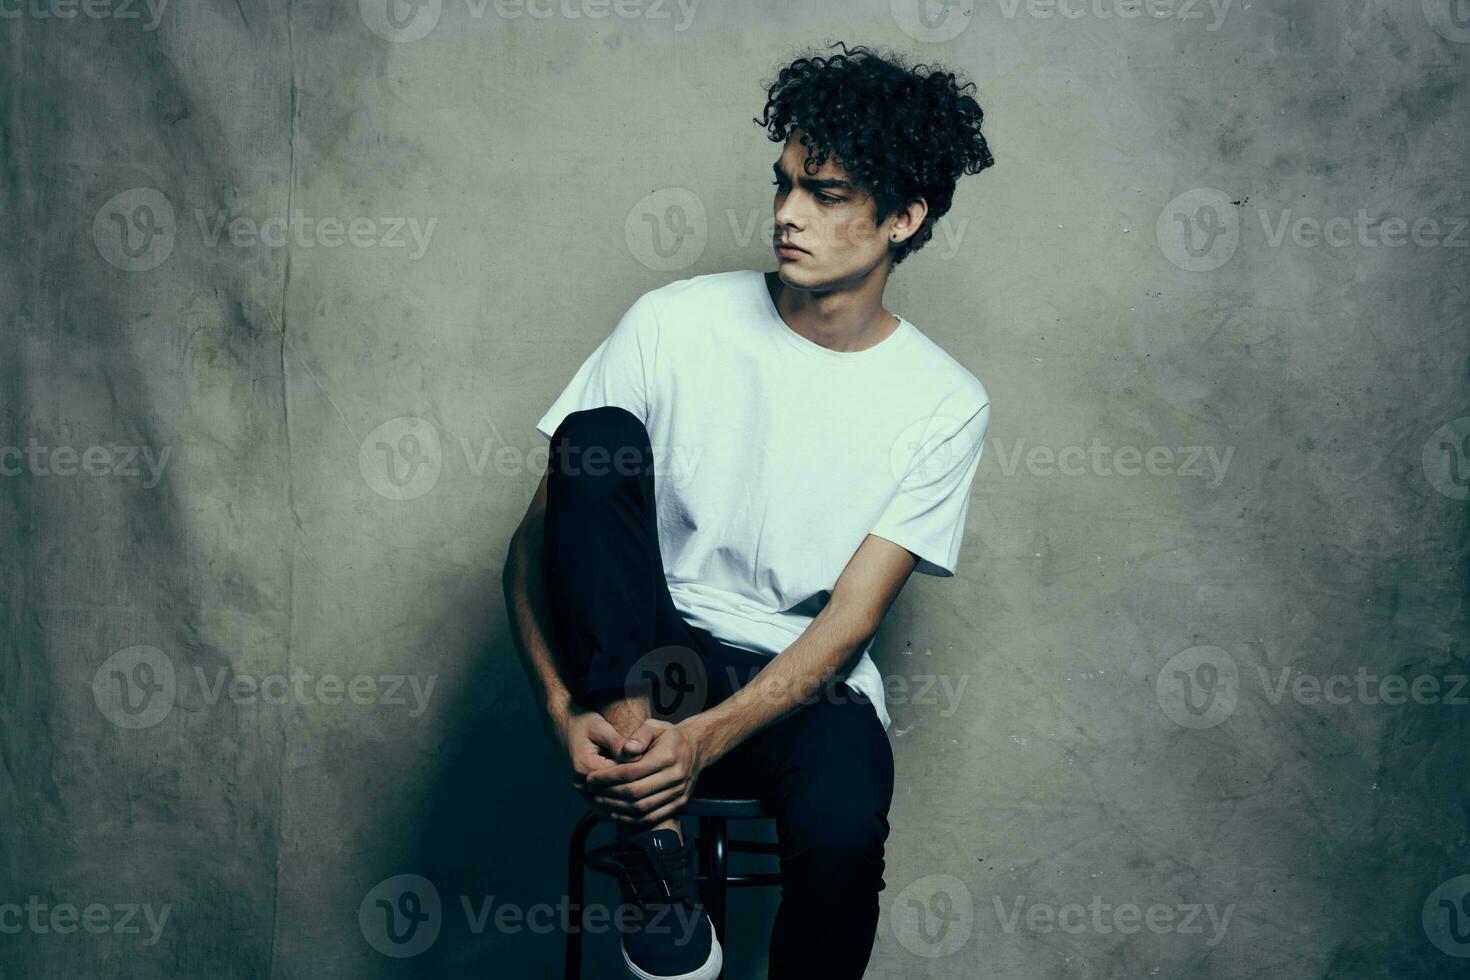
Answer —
(666, 933)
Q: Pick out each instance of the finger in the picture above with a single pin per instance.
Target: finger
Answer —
(619, 798)
(638, 811)
(602, 734)
(668, 810)
(591, 761)
(627, 772)
(638, 742)
(639, 788)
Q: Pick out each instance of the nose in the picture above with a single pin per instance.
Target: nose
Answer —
(786, 215)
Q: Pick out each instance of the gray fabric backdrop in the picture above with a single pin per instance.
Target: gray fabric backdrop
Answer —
(286, 286)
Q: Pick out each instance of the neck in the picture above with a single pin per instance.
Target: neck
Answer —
(848, 317)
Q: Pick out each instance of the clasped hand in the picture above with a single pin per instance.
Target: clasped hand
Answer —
(642, 779)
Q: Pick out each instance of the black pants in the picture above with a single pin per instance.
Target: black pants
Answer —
(826, 769)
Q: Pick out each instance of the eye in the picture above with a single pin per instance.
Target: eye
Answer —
(829, 199)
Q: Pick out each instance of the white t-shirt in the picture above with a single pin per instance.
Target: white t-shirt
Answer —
(774, 457)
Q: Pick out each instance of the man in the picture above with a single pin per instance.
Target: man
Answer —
(743, 476)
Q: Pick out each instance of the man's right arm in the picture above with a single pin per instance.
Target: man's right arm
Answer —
(587, 739)
(525, 602)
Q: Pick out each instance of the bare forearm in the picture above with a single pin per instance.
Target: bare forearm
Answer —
(525, 600)
(791, 679)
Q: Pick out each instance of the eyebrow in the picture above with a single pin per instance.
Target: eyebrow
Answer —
(816, 183)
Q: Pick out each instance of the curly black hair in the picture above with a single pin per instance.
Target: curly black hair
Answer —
(902, 131)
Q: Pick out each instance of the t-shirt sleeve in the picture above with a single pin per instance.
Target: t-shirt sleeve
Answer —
(927, 512)
(616, 373)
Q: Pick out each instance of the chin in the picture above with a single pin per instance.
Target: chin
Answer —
(794, 274)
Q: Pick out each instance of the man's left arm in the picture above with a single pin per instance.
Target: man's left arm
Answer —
(657, 783)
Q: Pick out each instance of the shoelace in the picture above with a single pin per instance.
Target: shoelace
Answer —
(664, 879)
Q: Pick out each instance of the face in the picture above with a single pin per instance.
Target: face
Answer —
(830, 218)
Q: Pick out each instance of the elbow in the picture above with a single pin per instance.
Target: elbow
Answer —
(508, 568)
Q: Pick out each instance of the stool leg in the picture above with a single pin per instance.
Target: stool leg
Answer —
(712, 859)
(576, 880)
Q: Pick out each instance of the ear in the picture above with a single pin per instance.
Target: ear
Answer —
(906, 223)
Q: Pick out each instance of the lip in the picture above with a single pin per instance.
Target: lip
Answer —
(786, 248)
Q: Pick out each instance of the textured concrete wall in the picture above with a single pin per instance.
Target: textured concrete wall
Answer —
(259, 475)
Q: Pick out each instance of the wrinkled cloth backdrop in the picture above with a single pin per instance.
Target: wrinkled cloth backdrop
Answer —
(286, 286)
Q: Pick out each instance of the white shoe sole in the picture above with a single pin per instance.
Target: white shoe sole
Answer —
(709, 971)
